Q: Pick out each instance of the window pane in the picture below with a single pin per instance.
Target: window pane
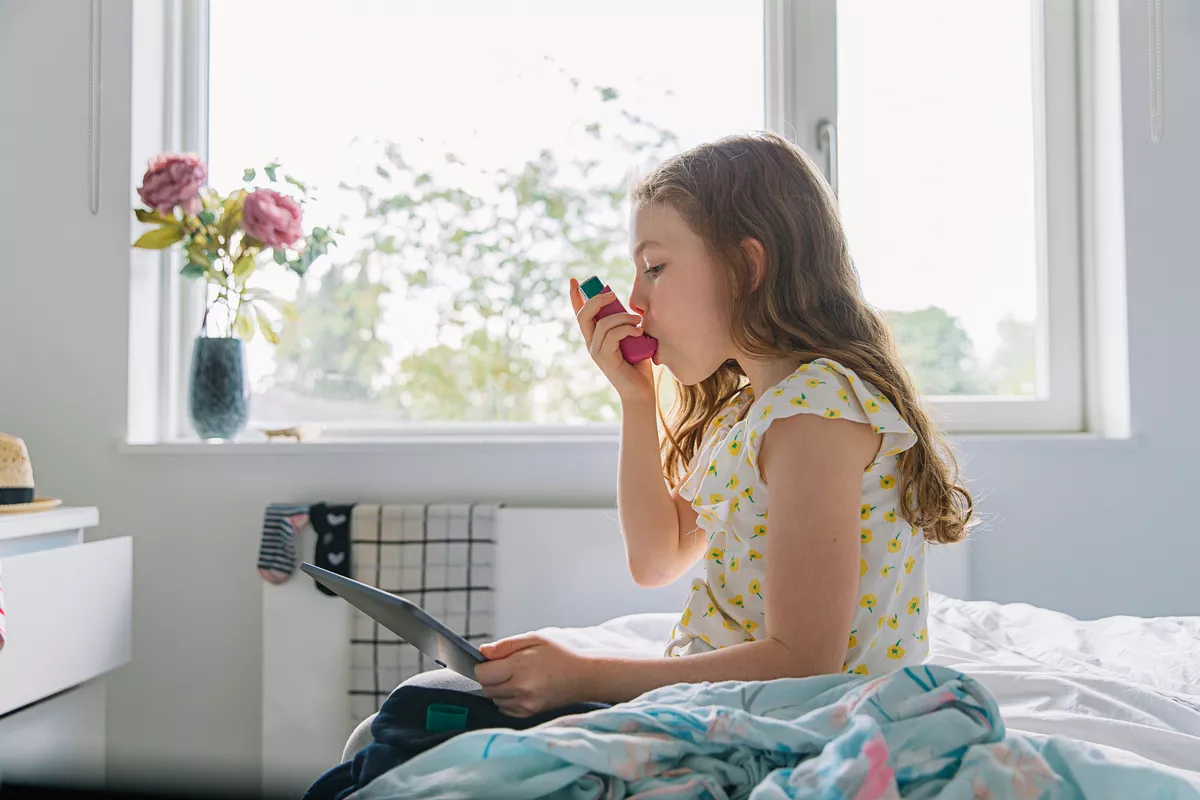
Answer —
(476, 155)
(937, 183)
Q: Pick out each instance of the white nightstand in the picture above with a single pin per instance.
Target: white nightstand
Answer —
(68, 617)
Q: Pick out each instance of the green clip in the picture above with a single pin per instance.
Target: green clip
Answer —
(441, 717)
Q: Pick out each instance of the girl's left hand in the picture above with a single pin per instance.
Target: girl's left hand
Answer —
(527, 674)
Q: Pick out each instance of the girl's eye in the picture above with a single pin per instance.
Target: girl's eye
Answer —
(653, 271)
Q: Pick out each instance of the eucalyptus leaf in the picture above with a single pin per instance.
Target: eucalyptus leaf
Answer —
(193, 271)
(245, 325)
(159, 238)
(264, 325)
(207, 217)
(243, 267)
(270, 170)
(280, 256)
(249, 175)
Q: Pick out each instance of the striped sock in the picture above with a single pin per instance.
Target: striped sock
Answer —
(277, 550)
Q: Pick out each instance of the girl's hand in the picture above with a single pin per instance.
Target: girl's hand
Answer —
(603, 339)
(527, 674)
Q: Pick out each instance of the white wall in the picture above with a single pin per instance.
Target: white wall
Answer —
(1090, 527)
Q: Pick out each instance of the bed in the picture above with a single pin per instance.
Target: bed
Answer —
(1129, 685)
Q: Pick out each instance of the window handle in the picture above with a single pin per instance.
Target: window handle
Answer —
(827, 143)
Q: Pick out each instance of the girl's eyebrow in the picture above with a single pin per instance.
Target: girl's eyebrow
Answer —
(640, 245)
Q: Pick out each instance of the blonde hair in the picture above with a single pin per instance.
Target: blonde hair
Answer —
(808, 304)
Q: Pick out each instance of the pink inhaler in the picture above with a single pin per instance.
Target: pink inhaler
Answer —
(634, 348)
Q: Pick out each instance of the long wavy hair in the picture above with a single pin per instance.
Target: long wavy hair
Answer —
(808, 305)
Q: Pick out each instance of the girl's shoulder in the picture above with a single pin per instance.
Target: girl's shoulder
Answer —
(825, 388)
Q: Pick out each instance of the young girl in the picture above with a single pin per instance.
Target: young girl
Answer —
(799, 464)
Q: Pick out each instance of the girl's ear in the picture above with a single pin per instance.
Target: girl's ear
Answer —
(756, 255)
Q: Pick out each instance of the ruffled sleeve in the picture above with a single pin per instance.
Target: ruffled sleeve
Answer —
(827, 389)
(704, 461)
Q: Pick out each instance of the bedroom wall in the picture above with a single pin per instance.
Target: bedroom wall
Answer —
(1083, 525)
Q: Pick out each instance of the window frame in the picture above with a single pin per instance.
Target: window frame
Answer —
(799, 41)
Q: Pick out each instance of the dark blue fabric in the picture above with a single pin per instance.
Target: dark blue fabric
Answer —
(399, 733)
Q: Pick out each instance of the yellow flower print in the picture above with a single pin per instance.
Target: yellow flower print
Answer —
(779, 391)
(887, 481)
(880, 626)
(832, 413)
(894, 621)
(861, 669)
(721, 580)
(754, 554)
(738, 601)
(898, 585)
(802, 368)
(865, 511)
(756, 588)
(876, 428)
(706, 640)
(908, 565)
(871, 406)
(862, 567)
(801, 401)
(716, 554)
(883, 399)
(868, 602)
(733, 482)
(886, 569)
(890, 516)
(894, 545)
(712, 468)
(853, 641)
(687, 616)
(759, 530)
(871, 466)
(841, 393)
(896, 652)
(766, 412)
(712, 609)
(735, 505)
(749, 625)
(813, 383)
(865, 535)
(827, 368)
(912, 530)
(716, 423)
(735, 447)
(914, 606)
(894, 451)
(695, 587)
(920, 637)
(748, 493)
(733, 564)
(713, 499)
(728, 625)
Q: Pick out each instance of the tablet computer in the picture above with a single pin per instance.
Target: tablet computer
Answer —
(406, 619)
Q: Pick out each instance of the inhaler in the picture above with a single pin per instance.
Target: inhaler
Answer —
(634, 348)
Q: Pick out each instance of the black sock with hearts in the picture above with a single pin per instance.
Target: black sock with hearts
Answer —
(332, 524)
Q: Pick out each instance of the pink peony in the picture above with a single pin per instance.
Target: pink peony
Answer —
(272, 218)
(173, 180)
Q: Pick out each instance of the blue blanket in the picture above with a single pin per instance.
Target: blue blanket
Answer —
(920, 732)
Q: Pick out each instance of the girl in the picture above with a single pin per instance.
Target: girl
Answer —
(798, 463)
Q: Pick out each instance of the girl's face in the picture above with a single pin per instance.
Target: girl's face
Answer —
(676, 293)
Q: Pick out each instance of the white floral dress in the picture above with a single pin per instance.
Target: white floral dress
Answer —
(727, 606)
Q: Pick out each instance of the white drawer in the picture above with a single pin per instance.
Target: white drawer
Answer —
(68, 615)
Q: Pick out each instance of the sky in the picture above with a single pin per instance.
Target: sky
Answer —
(936, 157)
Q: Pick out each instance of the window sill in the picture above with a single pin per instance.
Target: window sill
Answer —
(372, 446)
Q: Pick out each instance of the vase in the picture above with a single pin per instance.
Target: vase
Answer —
(218, 393)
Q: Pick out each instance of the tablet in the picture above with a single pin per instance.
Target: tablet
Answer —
(406, 619)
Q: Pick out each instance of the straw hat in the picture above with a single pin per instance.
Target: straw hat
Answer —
(16, 479)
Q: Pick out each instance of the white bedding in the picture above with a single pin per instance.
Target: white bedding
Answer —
(1127, 684)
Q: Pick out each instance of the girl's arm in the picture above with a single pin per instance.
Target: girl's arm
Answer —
(815, 467)
(661, 537)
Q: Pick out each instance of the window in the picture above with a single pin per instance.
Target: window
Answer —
(475, 154)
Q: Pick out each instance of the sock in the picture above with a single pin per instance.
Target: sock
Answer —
(332, 524)
(277, 550)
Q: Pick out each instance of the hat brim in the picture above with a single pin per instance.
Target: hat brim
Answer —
(38, 504)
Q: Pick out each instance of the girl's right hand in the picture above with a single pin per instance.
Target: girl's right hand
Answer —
(633, 382)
